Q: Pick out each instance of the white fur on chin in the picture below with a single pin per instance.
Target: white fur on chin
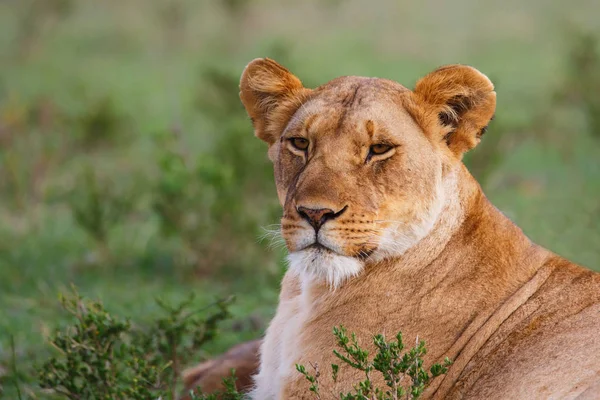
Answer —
(321, 265)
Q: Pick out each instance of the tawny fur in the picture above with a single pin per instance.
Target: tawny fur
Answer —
(432, 257)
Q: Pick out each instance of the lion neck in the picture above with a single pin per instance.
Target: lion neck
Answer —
(460, 193)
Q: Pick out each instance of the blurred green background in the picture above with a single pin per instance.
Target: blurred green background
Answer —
(128, 166)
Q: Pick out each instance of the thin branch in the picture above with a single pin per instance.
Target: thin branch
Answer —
(15, 372)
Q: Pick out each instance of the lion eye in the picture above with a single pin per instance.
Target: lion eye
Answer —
(380, 149)
(299, 143)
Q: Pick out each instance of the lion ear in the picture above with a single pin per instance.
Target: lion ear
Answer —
(271, 94)
(457, 103)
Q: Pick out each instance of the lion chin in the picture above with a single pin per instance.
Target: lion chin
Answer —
(319, 264)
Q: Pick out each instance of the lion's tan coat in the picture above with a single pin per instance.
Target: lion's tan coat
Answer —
(519, 321)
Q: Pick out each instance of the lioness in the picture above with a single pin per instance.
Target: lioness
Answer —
(387, 231)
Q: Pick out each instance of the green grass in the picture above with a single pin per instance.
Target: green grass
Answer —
(137, 69)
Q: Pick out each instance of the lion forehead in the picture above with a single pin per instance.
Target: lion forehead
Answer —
(348, 103)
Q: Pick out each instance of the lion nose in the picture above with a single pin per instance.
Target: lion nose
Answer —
(317, 217)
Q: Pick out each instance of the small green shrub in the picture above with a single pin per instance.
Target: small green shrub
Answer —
(106, 357)
(97, 207)
(580, 88)
(195, 201)
(100, 123)
(31, 147)
(389, 361)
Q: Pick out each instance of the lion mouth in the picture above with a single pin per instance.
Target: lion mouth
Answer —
(319, 247)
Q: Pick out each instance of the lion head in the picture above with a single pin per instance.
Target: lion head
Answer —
(363, 166)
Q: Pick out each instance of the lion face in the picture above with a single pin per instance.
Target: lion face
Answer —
(357, 179)
(362, 165)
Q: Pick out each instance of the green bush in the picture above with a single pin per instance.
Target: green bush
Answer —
(101, 356)
(580, 89)
(389, 361)
(193, 200)
(97, 207)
